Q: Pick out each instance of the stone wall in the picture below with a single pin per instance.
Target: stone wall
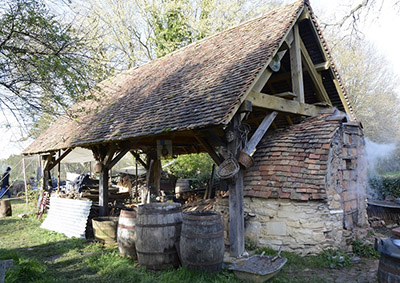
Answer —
(300, 227)
(312, 225)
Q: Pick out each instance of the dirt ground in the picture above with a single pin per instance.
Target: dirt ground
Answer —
(364, 271)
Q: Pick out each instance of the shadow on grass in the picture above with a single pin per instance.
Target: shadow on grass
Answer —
(6, 221)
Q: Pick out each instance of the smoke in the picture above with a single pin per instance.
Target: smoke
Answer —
(379, 158)
(377, 154)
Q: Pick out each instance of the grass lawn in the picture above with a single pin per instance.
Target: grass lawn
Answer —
(43, 256)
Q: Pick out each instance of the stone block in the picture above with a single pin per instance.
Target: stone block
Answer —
(276, 228)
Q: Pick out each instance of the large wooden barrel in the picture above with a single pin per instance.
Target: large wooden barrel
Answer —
(5, 208)
(202, 241)
(158, 228)
(105, 229)
(126, 233)
(389, 262)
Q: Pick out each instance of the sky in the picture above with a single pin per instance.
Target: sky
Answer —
(381, 30)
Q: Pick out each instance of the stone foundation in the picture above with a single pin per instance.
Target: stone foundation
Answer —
(301, 227)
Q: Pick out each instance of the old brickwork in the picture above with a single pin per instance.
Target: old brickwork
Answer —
(306, 191)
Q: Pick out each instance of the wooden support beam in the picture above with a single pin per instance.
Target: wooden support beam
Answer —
(137, 157)
(120, 155)
(315, 76)
(295, 66)
(289, 120)
(103, 191)
(259, 133)
(323, 66)
(61, 157)
(267, 74)
(236, 206)
(210, 150)
(25, 183)
(282, 105)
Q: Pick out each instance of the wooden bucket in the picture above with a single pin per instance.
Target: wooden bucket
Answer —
(158, 228)
(105, 229)
(202, 241)
(126, 233)
(5, 208)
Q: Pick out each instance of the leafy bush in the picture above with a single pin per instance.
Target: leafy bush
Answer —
(193, 166)
(383, 186)
(335, 259)
(364, 250)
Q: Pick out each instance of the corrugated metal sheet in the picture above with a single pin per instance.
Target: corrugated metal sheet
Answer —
(67, 216)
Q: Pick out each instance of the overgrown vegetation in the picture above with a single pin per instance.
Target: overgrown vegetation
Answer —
(363, 249)
(387, 185)
(193, 166)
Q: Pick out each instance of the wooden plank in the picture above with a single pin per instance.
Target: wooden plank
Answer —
(259, 133)
(282, 105)
(295, 66)
(315, 76)
(236, 206)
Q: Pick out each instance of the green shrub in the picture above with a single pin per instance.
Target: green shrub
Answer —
(335, 259)
(364, 250)
(383, 186)
(193, 166)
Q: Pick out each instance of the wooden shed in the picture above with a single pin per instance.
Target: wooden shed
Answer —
(268, 73)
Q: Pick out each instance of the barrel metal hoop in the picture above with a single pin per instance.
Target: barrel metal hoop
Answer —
(202, 218)
(203, 263)
(389, 269)
(201, 224)
(156, 253)
(158, 212)
(202, 236)
(158, 225)
(126, 226)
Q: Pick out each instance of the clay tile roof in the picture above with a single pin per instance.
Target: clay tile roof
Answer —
(196, 86)
(292, 162)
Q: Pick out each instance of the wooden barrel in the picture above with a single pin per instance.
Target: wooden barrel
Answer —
(389, 269)
(158, 228)
(105, 229)
(5, 208)
(182, 185)
(126, 233)
(389, 262)
(202, 241)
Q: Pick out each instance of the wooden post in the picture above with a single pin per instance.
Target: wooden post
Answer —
(157, 176)
(59, 172)
(295, 66)
(103, 191)
(236, 206)
(25, 183)
(137, 180)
